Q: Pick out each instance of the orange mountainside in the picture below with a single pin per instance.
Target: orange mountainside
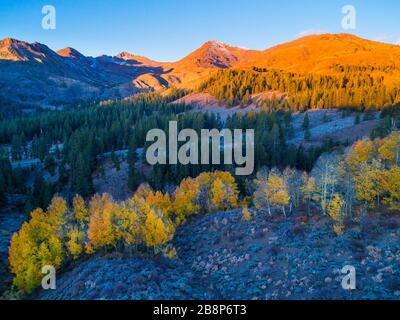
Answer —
(26, 69)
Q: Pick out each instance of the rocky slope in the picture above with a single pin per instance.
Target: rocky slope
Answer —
(223, 257)
(34, 74)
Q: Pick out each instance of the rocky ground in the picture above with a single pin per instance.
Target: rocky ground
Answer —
(330, 124)
(223, 257)
(10, 222)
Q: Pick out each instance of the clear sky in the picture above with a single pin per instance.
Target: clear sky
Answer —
(167, 30)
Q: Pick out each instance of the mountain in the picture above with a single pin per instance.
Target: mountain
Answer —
(70, 53)
(35, 74)
(14, 50)
(132, 59)
(319, 53)
(198, 65)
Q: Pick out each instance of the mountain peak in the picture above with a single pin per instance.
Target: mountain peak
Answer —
(8, 41)
(212, 54)
(136, 60)
(216, 43)
(70, 53)
(125, 55)
(13, 50)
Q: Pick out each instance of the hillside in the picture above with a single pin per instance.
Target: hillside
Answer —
(223, 257)
(321, 53)
(35, 74)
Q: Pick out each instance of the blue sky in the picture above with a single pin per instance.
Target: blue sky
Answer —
(167, 30)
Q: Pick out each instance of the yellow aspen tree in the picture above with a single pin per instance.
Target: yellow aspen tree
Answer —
(81, 213)
(362, 151)
(184, 203)
(271, 191)
(217, 195)
(390, 183)
(325, 172)
(368, 183)
(75, 242)
(160, 201)
(231, 192)
(389, 151)
(157, 231)
(100, 232)
(278, 192)
(309, 191)
(57, 213)
(336, 212)
(128, 226)
(36, 245)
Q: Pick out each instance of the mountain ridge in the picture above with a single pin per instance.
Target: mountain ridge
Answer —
(33, 73)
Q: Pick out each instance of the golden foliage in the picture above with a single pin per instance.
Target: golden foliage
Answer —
(272, 191)
(36, 245)
(389, 151)
(390, 182)
(246, 214)
(81, 213)
(207, 193)
(157, 231)
(48, 238)
(100, 231)
(336, 212)
(75, 243)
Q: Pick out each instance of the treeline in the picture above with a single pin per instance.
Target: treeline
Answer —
(147, 221)
(68, 143)
(356, 89)
(273, 130)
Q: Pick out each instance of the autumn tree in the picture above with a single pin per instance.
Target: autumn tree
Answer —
(337, 213)
(390, 184)
(368, 184)
(206, 193)
(81, 213)
(127, 227)
(389, 151)
(101, 233)
(75, 241)
(309, 191)
(361, 152)
(36, 245)
(271, 191)
(160, 201)
(185, 203)
(325, 173)
(157, 230)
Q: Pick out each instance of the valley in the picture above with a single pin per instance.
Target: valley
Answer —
(77, 191)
